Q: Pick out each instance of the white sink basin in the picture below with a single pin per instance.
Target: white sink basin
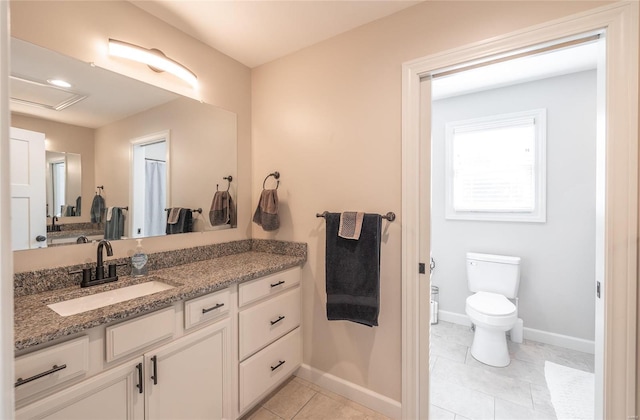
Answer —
(110, 297)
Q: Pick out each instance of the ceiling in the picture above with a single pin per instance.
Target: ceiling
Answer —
(256, 32)
(108, 96)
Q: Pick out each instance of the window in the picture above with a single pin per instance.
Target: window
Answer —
(496, 168)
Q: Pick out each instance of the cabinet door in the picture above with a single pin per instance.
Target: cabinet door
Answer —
(113, 394)
(189, 378)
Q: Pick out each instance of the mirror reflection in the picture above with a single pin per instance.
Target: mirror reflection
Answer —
(63, 180)
(157, 157)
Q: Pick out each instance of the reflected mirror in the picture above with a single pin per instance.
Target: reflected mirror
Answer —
(63, 172)
(123, 159)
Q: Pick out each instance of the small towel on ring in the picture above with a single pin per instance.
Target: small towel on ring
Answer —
(266, 214)
(350, 225)
(222, 209)
(174, 215)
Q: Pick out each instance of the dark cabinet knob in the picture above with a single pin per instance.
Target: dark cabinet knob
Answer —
(41, 238)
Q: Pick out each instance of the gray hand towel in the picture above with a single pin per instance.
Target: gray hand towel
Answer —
(114, 226)
(222, 210)
(184, 224)
(97, 208)
(266, 214)
(350, 225)
(353, 272)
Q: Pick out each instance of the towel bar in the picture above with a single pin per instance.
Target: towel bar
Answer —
(276, 175)
(390, 216)
(198, 210)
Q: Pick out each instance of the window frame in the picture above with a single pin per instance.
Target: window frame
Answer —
(539, 213)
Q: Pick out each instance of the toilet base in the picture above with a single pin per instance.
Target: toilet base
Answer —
(490, 347)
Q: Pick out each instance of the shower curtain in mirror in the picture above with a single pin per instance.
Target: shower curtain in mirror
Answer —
(155, 198)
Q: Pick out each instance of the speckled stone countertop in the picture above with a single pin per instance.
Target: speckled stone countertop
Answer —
(35, 323)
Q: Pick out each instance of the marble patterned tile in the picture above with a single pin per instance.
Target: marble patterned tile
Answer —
(455, 333)
(506, 410)
(570, 358)
(461, 400)
(523, 371)
(289, 399)
(322, 407)
(437, 413)
(542, 401)
(448, 350)
(510, 389)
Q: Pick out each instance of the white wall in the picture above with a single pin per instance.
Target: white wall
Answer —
(558, 257)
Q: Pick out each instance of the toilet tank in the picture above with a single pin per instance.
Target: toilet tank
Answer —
(493, 273)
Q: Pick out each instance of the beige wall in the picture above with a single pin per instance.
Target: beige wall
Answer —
(329, 119)
(80, 29)
(202, 151)
(62, 137)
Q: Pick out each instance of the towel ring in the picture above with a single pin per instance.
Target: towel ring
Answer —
(276, 175)
(228, 178)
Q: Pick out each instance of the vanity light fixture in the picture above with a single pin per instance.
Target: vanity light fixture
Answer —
(59, 82)
(155, 59)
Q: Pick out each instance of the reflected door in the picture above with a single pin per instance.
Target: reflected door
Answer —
(28, 221)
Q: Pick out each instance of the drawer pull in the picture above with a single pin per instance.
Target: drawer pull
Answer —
(280, 318)
(140, 379)
(154, 360)
(54, 369)
(213, 308)
(277, 284)
(280, 363)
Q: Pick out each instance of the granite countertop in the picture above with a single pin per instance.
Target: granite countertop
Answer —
(74, 233)
(35, 323)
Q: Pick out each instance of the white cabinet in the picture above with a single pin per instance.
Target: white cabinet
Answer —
(114, 394)
(46, 369)
(269, 334)
(189, 378)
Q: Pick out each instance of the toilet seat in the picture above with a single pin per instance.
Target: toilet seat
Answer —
(491, 309)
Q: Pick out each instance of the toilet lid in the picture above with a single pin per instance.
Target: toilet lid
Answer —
(491, 304)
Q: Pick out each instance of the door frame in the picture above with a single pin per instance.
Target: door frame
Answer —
(621, 213)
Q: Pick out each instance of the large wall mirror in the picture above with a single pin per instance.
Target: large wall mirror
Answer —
(123, 159)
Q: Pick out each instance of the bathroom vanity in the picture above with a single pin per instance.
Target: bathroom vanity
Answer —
(213, 345)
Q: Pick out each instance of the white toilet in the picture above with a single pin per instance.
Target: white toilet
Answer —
(493, 279)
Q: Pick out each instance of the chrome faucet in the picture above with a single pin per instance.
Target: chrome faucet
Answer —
(100, 264)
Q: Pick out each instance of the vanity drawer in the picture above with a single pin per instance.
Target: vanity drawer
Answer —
(131, 336)
(206, 307)
(257, 289)
(262, 371)
(64, 361)
(265, 322)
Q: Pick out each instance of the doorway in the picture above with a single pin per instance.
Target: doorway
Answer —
(513, 172)
(149, 184)
(619, 297)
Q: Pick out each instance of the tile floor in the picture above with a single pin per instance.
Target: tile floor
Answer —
(463, 388)
(301, 400)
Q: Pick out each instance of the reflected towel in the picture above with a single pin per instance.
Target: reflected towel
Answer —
(174, 215)
(353, 272)
(266, 214)
(350, 225)
(79, 206)
(109, 213)
(114, 226)
(184, 224)
(97, 208)
(222, 210)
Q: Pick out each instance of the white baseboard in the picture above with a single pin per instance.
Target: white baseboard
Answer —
(566, 341)
(384, 405)
(454, 318)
